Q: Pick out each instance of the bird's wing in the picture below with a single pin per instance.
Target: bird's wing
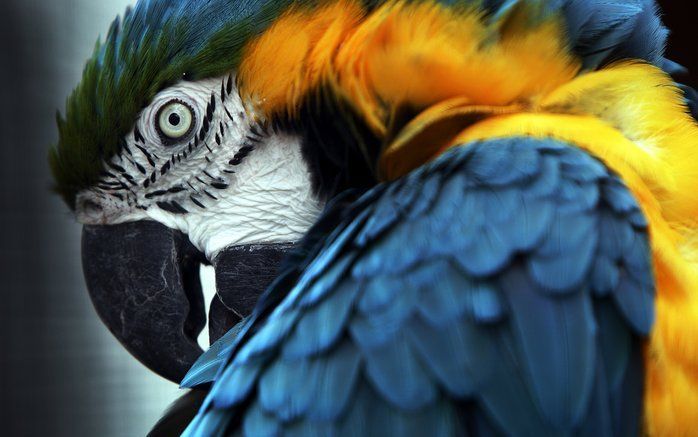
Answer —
(505, 287)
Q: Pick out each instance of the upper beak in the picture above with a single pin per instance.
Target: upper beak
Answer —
(143, 278)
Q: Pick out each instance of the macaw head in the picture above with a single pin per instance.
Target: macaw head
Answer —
(215, 131)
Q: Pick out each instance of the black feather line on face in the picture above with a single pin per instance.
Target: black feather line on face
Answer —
(137, 136)
(229, 115)
(129, 179)
(106, 174)
(219, 185)
(157, 193)
(119, 169)
(172, 206)
(196, 202)
(147, 155)
(241, 154)
(212, 105)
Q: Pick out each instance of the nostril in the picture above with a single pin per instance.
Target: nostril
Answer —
(90, 206)
(89, 210)
(87, 207)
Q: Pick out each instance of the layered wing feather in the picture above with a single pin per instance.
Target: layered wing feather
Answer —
(505, 288)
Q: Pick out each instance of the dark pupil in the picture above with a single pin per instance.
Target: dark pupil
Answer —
(174, 119)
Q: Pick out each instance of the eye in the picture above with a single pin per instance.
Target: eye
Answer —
(175, 120)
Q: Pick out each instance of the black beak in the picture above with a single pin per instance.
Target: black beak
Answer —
(144, 282)
(242, 274)
(143, 279)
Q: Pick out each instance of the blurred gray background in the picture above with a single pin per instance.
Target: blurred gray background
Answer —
(61, 372)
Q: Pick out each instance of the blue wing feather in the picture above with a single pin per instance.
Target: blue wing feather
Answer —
(337, 375)
(235, 382)
(557, 342)
(408, 385)
(260, 424)
(456, 300)
(321, 325)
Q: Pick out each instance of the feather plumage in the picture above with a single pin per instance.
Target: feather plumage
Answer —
(431, 342)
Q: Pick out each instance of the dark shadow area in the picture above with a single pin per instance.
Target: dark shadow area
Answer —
(680, 17)
(61, 372)
(41, 326)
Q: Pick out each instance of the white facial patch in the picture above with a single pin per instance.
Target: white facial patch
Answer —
(270, 200)
(228, 180)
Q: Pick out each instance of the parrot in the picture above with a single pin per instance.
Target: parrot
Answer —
(445, 217)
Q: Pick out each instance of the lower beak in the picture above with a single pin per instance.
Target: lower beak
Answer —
(143, 278)
(242, 274)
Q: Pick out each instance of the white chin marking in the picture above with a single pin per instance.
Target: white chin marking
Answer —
(270, 200)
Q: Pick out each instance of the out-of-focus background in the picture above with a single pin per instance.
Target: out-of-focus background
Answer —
(680, 17)
(61, 372)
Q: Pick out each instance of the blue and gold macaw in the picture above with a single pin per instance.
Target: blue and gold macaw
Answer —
(426, 217)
